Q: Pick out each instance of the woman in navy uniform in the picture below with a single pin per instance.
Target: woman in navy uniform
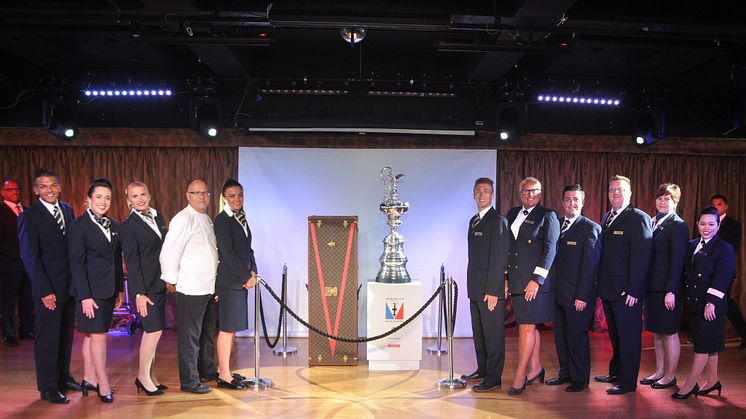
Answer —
(710, 263)
(236, 275)
(143, 233)
(96, 268)
(663, 285)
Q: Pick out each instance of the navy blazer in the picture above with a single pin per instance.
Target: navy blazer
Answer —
(235, 252)
(44, 250)
(95, 263)
(488, 256)
(730, 231)
(576, 264)
(10, 253)
(535, 246)
(625, 255)
(141, 248)
(708, 275)
(670, 239)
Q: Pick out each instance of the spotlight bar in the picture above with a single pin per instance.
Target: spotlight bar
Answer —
(579, 100)
(127, 92)
(305, 92)
(388, 93)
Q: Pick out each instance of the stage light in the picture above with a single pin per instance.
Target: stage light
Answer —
(58, 117)
(206, 117)
(650, 126)
(354, 35)
(579, 100)
(509, 124)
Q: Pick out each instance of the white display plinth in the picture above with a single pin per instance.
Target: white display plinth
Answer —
(389, 305)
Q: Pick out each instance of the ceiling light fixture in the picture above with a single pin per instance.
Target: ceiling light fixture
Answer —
(353, 35)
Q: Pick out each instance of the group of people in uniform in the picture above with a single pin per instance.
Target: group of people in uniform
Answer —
(553, 269)
(76, 271)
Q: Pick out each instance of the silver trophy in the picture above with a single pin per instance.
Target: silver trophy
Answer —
(393, 261)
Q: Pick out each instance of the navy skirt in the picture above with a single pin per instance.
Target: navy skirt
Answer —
(539, 310)
(233, 309)
(658, 319)
(102, 316)
(708, 336)
(156, 318)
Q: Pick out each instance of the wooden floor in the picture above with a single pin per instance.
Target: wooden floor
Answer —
(300, 391)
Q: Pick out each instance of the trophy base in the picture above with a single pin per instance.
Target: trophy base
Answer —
(258, 383)
(437, 350)
(393, 280)
(451, 384)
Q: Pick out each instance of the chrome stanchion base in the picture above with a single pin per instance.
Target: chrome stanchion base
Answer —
(452, 384)
(258, 383)
(436, 350)
(283, 351)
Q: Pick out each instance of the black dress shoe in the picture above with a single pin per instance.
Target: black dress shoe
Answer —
(234, 384)
(659, 386)
(649, 381)
(555, 381)
(606, 378)
(208, 378)
(539, 376)
(197, 389)
(54, 396)
(485, 386)
(680, 396)
(619, 390)
(473, 377)
(576, 387)
(11, 341)
(512, 391)
(162, 387)
(718, 386)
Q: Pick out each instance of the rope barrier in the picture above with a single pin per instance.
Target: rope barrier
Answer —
(346, 339)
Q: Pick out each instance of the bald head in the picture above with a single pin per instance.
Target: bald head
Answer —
(198, 195)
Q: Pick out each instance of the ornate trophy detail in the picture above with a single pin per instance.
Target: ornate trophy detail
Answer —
(393, 261)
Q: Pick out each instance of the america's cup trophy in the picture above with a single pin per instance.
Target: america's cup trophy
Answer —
(393, 262)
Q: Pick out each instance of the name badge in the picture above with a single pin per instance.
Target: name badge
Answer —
(572, 243)
(618, 232)
(529, 221)
(478, 233)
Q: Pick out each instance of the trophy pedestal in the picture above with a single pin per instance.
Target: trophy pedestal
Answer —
(388, 306)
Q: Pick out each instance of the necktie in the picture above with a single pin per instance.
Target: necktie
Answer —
(58, 217)
(610, 219)
(104, 222)
(241, 218)
(658, 217)
(147, 216)
(565, 226)
(476, 221)
(18, 209)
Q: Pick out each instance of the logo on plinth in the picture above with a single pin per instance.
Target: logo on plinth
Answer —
(395, 309)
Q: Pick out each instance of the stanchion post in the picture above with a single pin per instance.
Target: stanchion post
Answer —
(450, 382)
(284, 350)
(256, 382)
(438, 348)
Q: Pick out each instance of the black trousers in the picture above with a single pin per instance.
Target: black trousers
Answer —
(196, 317)
(625, 333)
(734, 314)
(488, 328)
(16, 294)
(54, 343)
(572, 342)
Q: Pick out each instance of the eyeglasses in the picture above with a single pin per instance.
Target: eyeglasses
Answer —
(199, 193)
(530, 191)
(617, 190)
(12, 189)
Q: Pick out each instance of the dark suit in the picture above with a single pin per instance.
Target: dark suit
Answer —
(574, 277)
(625, 259)
(141, 247)
(16, 286)
(45, 257)
(709, 273)
(730, 231)
(665, 275)
(488, 257)
(95, 262)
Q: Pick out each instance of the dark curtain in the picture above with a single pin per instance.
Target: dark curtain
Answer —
(166, 171)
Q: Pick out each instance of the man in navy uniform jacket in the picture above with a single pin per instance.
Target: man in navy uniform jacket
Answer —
(627, 240)
(574, 276)
(42, 233)
(488, 239)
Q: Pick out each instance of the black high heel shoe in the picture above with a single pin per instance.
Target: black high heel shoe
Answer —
(512, 391)
(162, 387)
(717, 386)
(140, 387)
(85, 387)
(539, 376)
(680, 396)
(108, 398)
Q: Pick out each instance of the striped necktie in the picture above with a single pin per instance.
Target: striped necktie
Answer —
(476, 221)
(612, 215)
(58, 217)
(565, 226)
(147, 216)
(241, 218)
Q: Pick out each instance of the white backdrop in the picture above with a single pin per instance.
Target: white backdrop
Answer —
(283, 186)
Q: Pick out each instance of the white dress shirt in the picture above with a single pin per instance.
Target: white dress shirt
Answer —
(51, 207)
(150, 223)
(189, 256)
(17, 208)
(519, 219)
